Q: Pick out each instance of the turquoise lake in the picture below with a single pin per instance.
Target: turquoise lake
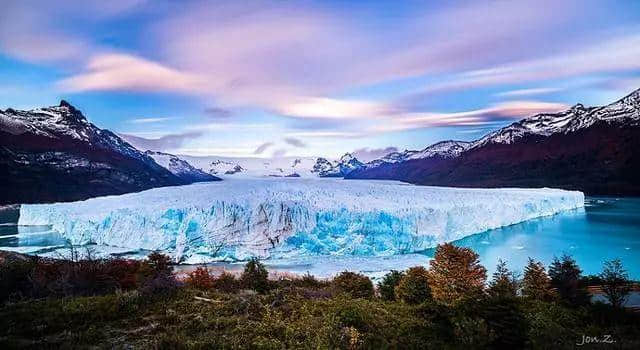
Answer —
(605, 229)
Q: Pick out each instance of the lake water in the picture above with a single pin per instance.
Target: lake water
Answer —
(605, 229)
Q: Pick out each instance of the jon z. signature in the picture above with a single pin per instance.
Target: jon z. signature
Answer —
(605, 339)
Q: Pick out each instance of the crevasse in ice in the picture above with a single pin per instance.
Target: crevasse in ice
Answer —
(281, 218)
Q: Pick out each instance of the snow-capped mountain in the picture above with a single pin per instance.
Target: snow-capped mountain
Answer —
(593, 149)
(180, 167)
(253, 167)
(443, 149)
(56, 154)
(624, 111)
(340, 168)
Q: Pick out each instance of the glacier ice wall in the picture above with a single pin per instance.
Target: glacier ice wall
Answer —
(281, 218)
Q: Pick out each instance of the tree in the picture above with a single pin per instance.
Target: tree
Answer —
(535, 282)
(507, 323)
(200, 278)
(504, 283)
(414, 286)
(565, 278)
(387, 286)
(354, 284)
(255, 276)
(456, 274)
(615, 282)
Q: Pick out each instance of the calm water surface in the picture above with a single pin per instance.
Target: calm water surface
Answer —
(605, 229)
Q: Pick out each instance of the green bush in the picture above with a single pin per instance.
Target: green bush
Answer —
(387, 286)
(255, 276)
(354, 284)
(226, 283)
(414, 286)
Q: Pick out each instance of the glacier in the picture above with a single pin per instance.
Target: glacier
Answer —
(285, 218)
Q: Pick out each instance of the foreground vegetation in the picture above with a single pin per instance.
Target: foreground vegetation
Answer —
(129, 304)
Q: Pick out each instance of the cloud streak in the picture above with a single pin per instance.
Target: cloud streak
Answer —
(368, 154)
(295, 142)
(263, 147)
(164, 143)
(129, 73)
(149, 120)
(499, 112)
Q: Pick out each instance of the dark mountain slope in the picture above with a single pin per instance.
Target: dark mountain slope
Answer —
(595, 150)
(54, 154)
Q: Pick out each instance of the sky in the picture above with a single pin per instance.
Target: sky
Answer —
(314, 78)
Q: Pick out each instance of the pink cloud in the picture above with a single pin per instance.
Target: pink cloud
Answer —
(501, 111)
(130, 73)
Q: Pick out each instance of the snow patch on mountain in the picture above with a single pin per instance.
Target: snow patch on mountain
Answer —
(180, 167)
(443, 149)
(254, 167)
(340, 168)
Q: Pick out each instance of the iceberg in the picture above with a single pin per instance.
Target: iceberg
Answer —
(283, 218)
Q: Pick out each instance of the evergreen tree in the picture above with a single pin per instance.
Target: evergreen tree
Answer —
(255, 276)
(504, 282)
(565, 278)
(535, 282)
(387, 286)
(456, 274)
(615, 282)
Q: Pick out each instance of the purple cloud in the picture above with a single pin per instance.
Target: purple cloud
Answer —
(164, 143)
(369, 154)
(295, 142)
(279, 153)
(218, 113)
(263, 147)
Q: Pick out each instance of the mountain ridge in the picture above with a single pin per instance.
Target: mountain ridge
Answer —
(592, 149)
(51, 154)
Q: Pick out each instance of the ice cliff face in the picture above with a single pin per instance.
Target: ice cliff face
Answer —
(240, 218)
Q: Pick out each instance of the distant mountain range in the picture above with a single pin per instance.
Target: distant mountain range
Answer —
(180, 168)
(592, 149)
(54, 154)
(226, 167)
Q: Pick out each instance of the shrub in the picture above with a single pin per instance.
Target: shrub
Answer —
(387, 286)
(535, 283)
(226, 283)
(255, 276)
(413, 287)
(309, 281)
(159, 263)
(354, 284)
(200, 278)
(565, 277)
(160, 285)
(124, 272)
(157, 276)
(15, 279)
(456, 274)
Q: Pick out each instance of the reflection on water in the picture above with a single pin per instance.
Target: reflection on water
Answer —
(605, 229)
